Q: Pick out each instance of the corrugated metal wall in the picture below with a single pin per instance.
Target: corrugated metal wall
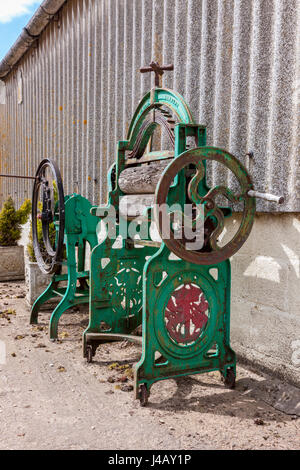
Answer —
(237, 63)
(3, 136)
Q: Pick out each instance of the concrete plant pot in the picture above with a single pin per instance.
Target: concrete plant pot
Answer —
(35, 283)
(11, 263)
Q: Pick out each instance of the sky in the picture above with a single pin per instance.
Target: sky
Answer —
(14, 15)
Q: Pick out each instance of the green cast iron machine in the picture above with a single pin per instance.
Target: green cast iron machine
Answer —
(179, 293)
(163, 259)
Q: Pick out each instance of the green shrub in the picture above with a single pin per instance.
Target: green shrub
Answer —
(11, 221)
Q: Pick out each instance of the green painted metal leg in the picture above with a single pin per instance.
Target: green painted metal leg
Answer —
(44, 297)
(68, 299)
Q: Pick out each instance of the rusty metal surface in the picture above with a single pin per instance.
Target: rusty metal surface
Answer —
(211, 209)
(159, 117)
(236, 62)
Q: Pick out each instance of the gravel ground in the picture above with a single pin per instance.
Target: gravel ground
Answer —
(50, 398)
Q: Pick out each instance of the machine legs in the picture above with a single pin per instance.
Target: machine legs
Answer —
(71, 295)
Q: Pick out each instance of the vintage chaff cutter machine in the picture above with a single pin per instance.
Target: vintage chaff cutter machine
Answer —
(181, 296)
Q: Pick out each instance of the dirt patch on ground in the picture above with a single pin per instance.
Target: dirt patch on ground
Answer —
(50, 398)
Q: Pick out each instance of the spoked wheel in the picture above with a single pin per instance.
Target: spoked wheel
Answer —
(143, 395)
(48, 206)
(206, 206)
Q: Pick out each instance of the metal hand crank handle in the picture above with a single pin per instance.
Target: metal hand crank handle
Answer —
(266, 196)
